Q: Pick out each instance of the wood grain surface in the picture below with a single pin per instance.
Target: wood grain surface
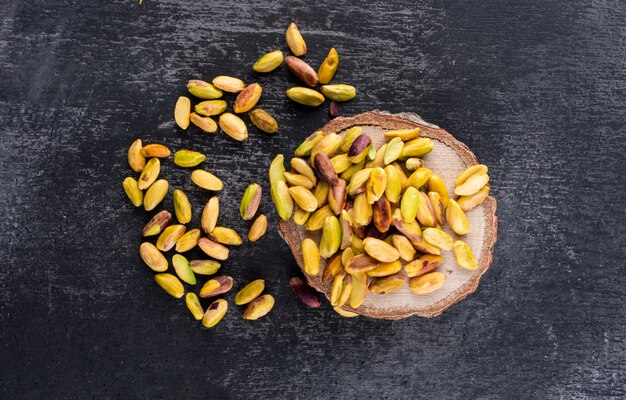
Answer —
(537, 89)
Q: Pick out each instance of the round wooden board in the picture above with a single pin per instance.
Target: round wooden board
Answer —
(448, 158)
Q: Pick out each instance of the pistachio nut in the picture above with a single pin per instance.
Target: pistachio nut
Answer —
(345, 220)
(181, 112)
(393, 150)
(302, 71)
(188, 241)
(211, 212)
(417, 148)
(184, 272)
(362, 210)
(361, 263)
(182, 206)
(427, 283)
(382, 214)
(131, 188)
(436, 184)
(282, 199)
(250, 292)
(153, 257)
(206, 180)
(376, 185)
(216, 286)
(438, 238)
(425, 213)
(149, 174)
(413, 164)
(207, 124)
(472, 185)
(469, 202)
(170, 284)
(385, 269)
(300, 217)
(259, 307)
(331, 237)
(358, 290)
(155, 194)
(350, 137)
(212, 249)
(188, 158)
(393, 189)
(387, 284)
(333, 267)
(264, 121)
(170, 235)
(210, 107)
(203, 90)
(233, 126)
(339, 92)
(402, 134)
(304, 293)
(135, 159)
(345, 313)
(423, 265)
(321, 193)
(247, 98)
(295, 41)
(268, 62)
(214, 313)
(277, 169)
(305, 147)
(305, 96)
(325, 169)
(359, 148)
(380, 250)
(469, 171)
(316, 220)
(456, 218)
(310, 257)
(404, 247)
(250, 201)
(328, 67)
(303, 198)
(409, 204)
(258, 228)
(298, 180)
(194, 306)
(419, 178)
(228, 84)
(156, 225)
(464, 257)
(303, 168)
(204, 267)
(438, 207)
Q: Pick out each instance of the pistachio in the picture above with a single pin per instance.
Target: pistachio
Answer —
(339, 92)
(345, 220)
(393, 150)
(305, 96)
(303, 198)
(423, 265)
(464, 257)
(298, 180)
(250, 201)
(207, 124)
(438, 207)
(250, 292)
(258, 228)
(470, 171)
(385, 269)
(387, 284)
(214, 314)
(155, 194)
(346, 256)
(417, 148)
(350, 137)
(247, 98)
(346, 290)
(300, 217)
(413, 164)
(359, 148)
(321, 193)
(157, 223)
(181, 112)
(379, 159)
(282, 199)
(228, 84)
(371, 154)
(210, 107)
(358, 290)
(206, 180)
(204, 267)
(170, 235)
(438, 238)
(194, 306)
(358, 183)
(268, 62)
(328, 145)
(316, 220)
(376, 185)
(404, 247)
(259, 307)
(426, 247)
(303, 167)
(341, 163)
(427, 283)
(356, 245)
(304, 293)
(436, 184)
(382, 214)
(425, 212)
(212, 249)
(336, 287)
(188, 241)
(216, 286)
(393, 189)
(149, 174)
(170, 284)
(295, 41)
(188, 158)
(361, 263)
(409, 204)
(419, 178)
(457, 219)
(347, 174)
(227, 236)
(328, 68)
(264, 121)
(310, 257)
(411, 230)
(203, 90)
(277, 169)
(233, 126)
(337, 196)
(333, 267)
(472, 185)
(403, 134)
(305, 147)
(181, 266)
(182, 207)
(345, 313)
(153, 257)
(131, 189)
(302, 71)
(469, 202)
(331, 237)
(211, 212)
(401, 175)
(135, 159)
(380, 250)
(362, 210)
(325, 169)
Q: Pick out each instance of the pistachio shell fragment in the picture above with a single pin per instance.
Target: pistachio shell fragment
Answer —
(214, 313)
(170, 284)
(250, 292)
(259, 307)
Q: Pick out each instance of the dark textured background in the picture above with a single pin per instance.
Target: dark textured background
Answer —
(536, 88)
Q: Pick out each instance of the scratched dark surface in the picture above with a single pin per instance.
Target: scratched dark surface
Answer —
(536, 88)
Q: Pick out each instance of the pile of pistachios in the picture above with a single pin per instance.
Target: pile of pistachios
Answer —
(212, 105)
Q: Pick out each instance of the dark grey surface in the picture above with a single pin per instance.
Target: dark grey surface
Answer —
(536, 88)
